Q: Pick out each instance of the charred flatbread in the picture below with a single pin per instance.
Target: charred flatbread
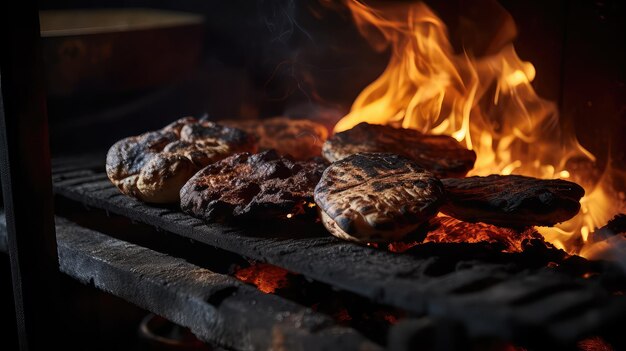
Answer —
(153, 166)
(301, 139)
(252, 186)
(374, 197)
(440, 154)
(512, 200)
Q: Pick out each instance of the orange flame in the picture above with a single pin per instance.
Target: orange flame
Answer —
(486, 103)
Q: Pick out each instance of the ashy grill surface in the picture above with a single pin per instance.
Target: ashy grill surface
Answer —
(216, 307)
(521, 297)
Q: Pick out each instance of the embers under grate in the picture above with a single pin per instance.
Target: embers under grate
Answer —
(535, 298)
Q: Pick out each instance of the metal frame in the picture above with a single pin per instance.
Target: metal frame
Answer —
(26, 177)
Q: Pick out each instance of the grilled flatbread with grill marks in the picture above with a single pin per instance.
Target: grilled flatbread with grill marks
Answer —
(368, 197)
(512, 200)
(153, 166)
(260, 186)
(439, 154)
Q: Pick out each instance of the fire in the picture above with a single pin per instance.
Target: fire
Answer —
(450, 230)
(487, 103)
(445, 229)
(301, 208)
(265, 277)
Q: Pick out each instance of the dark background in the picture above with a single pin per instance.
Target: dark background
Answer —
(268, 57)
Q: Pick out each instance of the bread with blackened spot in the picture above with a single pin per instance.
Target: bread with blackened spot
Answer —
(153, 166)
(263, 186)
(440, 154)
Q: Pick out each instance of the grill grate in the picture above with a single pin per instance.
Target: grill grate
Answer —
(506, 296)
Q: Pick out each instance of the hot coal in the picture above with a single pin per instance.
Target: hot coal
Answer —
(260, 186)
(512, 200)
(444, 229)
(440, 154)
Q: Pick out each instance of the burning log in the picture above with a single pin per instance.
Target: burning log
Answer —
(608, 242)
(439, 154)
(512, 200)
(376, 197)
(153, 166)
(616, 226)
(261, 186)
(301, 139)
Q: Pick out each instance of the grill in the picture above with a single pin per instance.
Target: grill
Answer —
(489, 294)
(289, 284)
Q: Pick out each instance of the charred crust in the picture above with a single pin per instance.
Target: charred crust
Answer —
(512, 200)
(440, 154)
(252, 186)
(299, 138)
(140, 166)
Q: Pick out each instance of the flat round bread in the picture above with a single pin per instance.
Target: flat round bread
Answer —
(512, 200)
(153, 166)
(300, 138)
(440, 154)
(260, 186)
(374, 197)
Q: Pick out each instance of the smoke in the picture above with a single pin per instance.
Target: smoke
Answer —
(306, 52)
(279, 17)
(282, 53)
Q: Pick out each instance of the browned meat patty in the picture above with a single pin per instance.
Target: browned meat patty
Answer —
(370, 197)
(512, 200)
(153, 166)
(260, 186)
(301, 139)
(440, 154)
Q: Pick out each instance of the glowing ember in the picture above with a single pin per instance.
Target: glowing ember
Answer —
(342, 315)
(486, 103)
(450, 230)
(265, 277)
(594, 344)
(401, 246)
(390, 318)
(444, 229)
(301, 208)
